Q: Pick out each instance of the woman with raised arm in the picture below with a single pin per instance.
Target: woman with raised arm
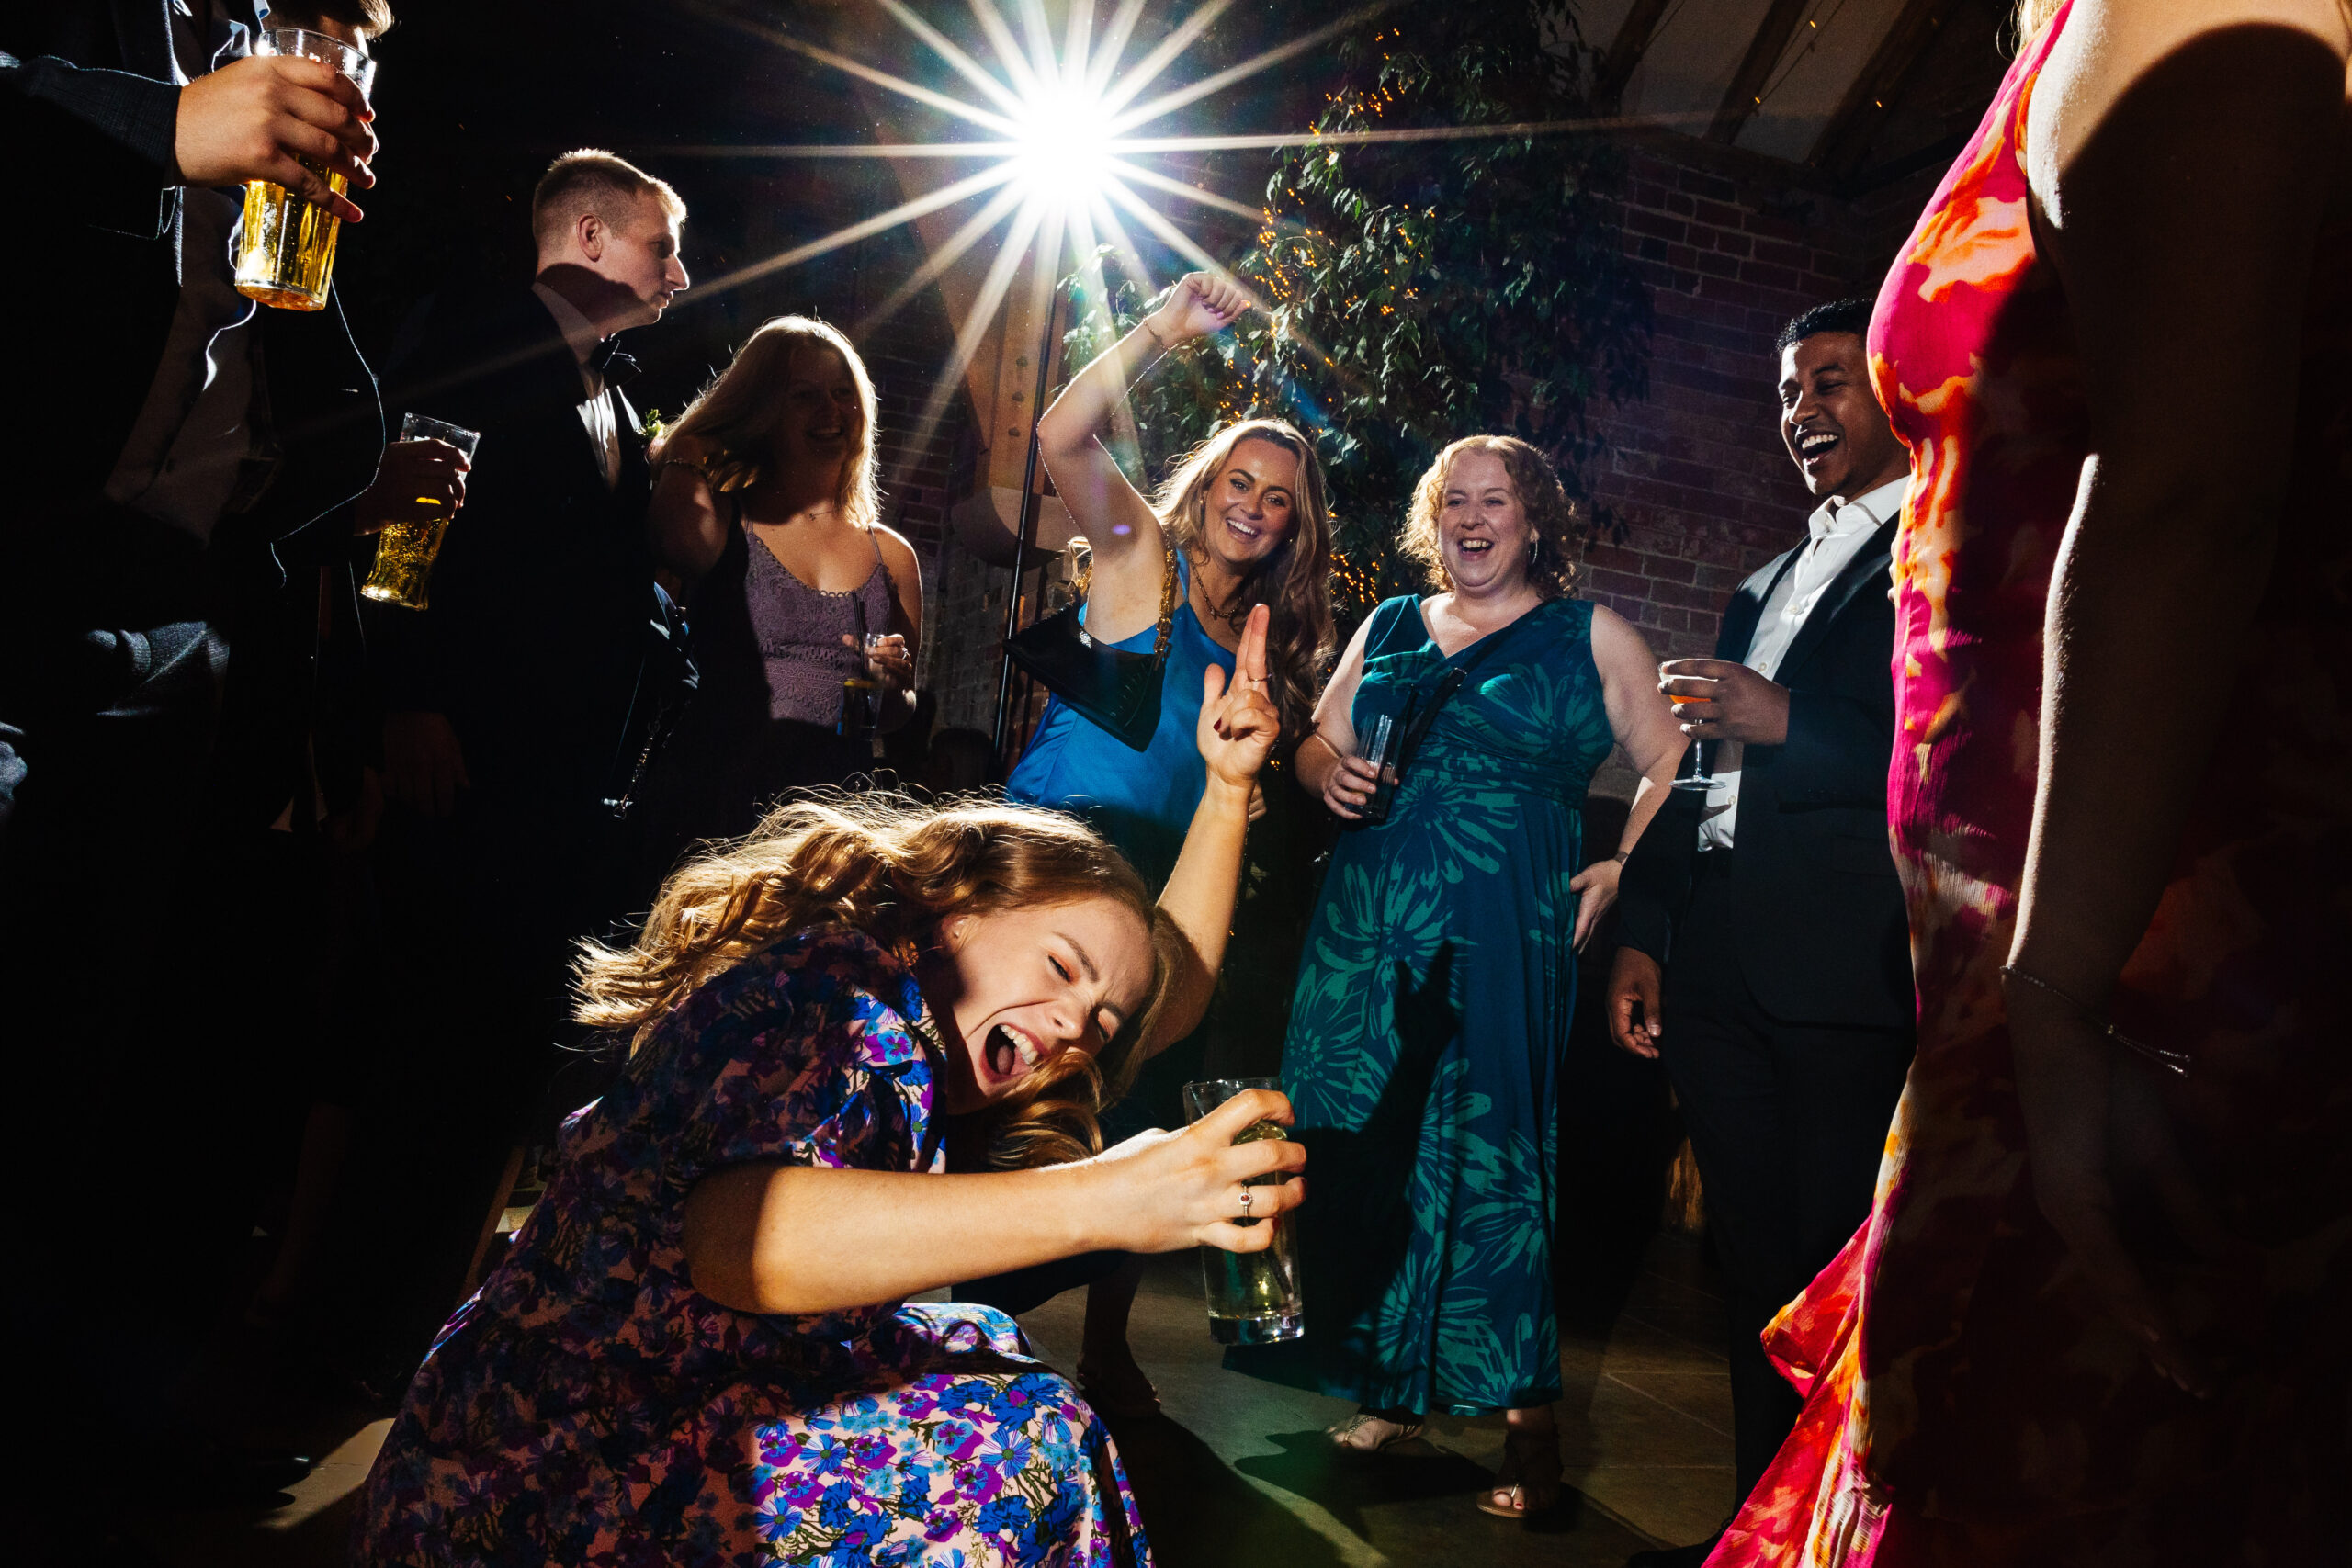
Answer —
(1433, 1011)
(699, 1351)
(1241, 522)
(2098, 1313)
(767, 523)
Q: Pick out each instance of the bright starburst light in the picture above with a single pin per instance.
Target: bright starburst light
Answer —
(1065, 142)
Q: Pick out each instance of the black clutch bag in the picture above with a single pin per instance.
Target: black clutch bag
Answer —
(1117, 690)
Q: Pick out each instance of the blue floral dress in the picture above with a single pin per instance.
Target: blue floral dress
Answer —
(589, 1407)
(1430, 1023)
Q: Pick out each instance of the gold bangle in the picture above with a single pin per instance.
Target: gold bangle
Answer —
(2175, 1062)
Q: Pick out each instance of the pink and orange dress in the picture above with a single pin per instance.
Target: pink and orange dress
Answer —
(1968, 1401)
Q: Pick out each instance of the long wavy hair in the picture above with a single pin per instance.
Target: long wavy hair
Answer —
(735, 418)
(892, 868)
(1549, 512)
(1294, 577)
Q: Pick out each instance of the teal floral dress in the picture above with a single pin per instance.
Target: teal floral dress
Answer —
(1431, 1021)
(589, 1407)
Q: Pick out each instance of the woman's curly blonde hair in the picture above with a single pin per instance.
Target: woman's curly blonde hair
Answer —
(1549, 512)
(891, 868)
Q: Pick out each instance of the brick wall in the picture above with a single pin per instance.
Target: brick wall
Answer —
(1702, 489)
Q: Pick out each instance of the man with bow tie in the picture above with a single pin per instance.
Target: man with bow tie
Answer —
(508, 702)
(1767, 911)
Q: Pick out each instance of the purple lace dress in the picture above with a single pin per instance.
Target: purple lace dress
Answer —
(769, 650)
(589, 1407)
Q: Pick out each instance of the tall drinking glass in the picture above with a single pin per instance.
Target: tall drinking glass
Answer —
(1253, 1296)
(405, 551)
(286, 249)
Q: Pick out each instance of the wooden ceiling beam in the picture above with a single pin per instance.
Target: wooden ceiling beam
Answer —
(1845, 141)
(1626, 52)
(1745, 95)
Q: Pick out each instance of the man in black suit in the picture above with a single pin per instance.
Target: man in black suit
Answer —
(183, 436)
(507, 699)
(1763, 919)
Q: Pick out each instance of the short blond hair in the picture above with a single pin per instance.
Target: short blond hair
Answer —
(590, 180)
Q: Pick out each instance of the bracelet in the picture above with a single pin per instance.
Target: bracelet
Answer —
(1621, 856)
(2175, 1062)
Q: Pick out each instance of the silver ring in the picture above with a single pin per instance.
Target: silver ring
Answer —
(1245, 1196)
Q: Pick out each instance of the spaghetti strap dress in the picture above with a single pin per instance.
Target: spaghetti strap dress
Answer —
(1967, 1399)
(766, 720)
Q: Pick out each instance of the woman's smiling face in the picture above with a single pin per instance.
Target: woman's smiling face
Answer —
(1250, 507)
(1012, 989)
(823, 420)
(1482, 526)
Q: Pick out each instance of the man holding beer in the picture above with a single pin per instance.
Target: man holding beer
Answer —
(509, 697)
(144, 500)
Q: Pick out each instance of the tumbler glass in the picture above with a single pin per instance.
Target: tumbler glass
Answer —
(1253, 1296)
(286, 249)
(405, 551)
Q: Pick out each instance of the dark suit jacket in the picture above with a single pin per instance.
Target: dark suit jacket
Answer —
(87, 99)
(541, 600)
(1822, 933)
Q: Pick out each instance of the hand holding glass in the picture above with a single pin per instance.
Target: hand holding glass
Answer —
(1253, 1296)
(286, 247)
(405, 551)
(1698, 778)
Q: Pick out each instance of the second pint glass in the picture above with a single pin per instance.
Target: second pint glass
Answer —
(405, 551)
(286, 249)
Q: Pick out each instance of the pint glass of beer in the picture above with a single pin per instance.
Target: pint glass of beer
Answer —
(404, 551)
(286, 250)
(1253, 1296)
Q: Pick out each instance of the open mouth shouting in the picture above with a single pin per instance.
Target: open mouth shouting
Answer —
(1012, 1052)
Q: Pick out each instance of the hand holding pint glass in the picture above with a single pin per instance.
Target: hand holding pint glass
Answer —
(1253, 1296)
(411, 532)
(286, 247)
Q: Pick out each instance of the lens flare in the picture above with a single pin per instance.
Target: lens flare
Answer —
(1063, 151)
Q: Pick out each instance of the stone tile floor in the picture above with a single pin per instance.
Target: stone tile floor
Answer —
(1235, 1473)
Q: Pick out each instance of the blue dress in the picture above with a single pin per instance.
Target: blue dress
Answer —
(1430, 1022)
(1142, 801)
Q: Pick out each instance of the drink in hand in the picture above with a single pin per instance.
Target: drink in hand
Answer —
(286, 248)
(405, 551)
(1253, 1297)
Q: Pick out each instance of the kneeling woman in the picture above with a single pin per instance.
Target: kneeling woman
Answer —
(699, 1349)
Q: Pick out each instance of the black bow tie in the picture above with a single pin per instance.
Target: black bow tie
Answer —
(618, 368)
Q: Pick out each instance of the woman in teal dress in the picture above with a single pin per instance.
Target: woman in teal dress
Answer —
(1433, 1003)
(1241, 522)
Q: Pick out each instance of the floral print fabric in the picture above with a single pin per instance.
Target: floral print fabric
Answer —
(1430, 1022)
(589, 1407)
(1968, 1399)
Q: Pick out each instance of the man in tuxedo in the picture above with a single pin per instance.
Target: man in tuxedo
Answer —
(506, 700)
(1764, 953)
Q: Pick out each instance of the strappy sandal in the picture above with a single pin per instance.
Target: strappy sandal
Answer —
(1526, 1456)
(1345, 1435)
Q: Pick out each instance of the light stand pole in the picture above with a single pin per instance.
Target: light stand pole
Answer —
(1023, 533)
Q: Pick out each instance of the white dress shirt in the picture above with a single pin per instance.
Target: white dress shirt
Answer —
(595, 408)
(1837, 534)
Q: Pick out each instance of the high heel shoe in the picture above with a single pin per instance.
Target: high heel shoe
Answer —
(1529, 1477)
